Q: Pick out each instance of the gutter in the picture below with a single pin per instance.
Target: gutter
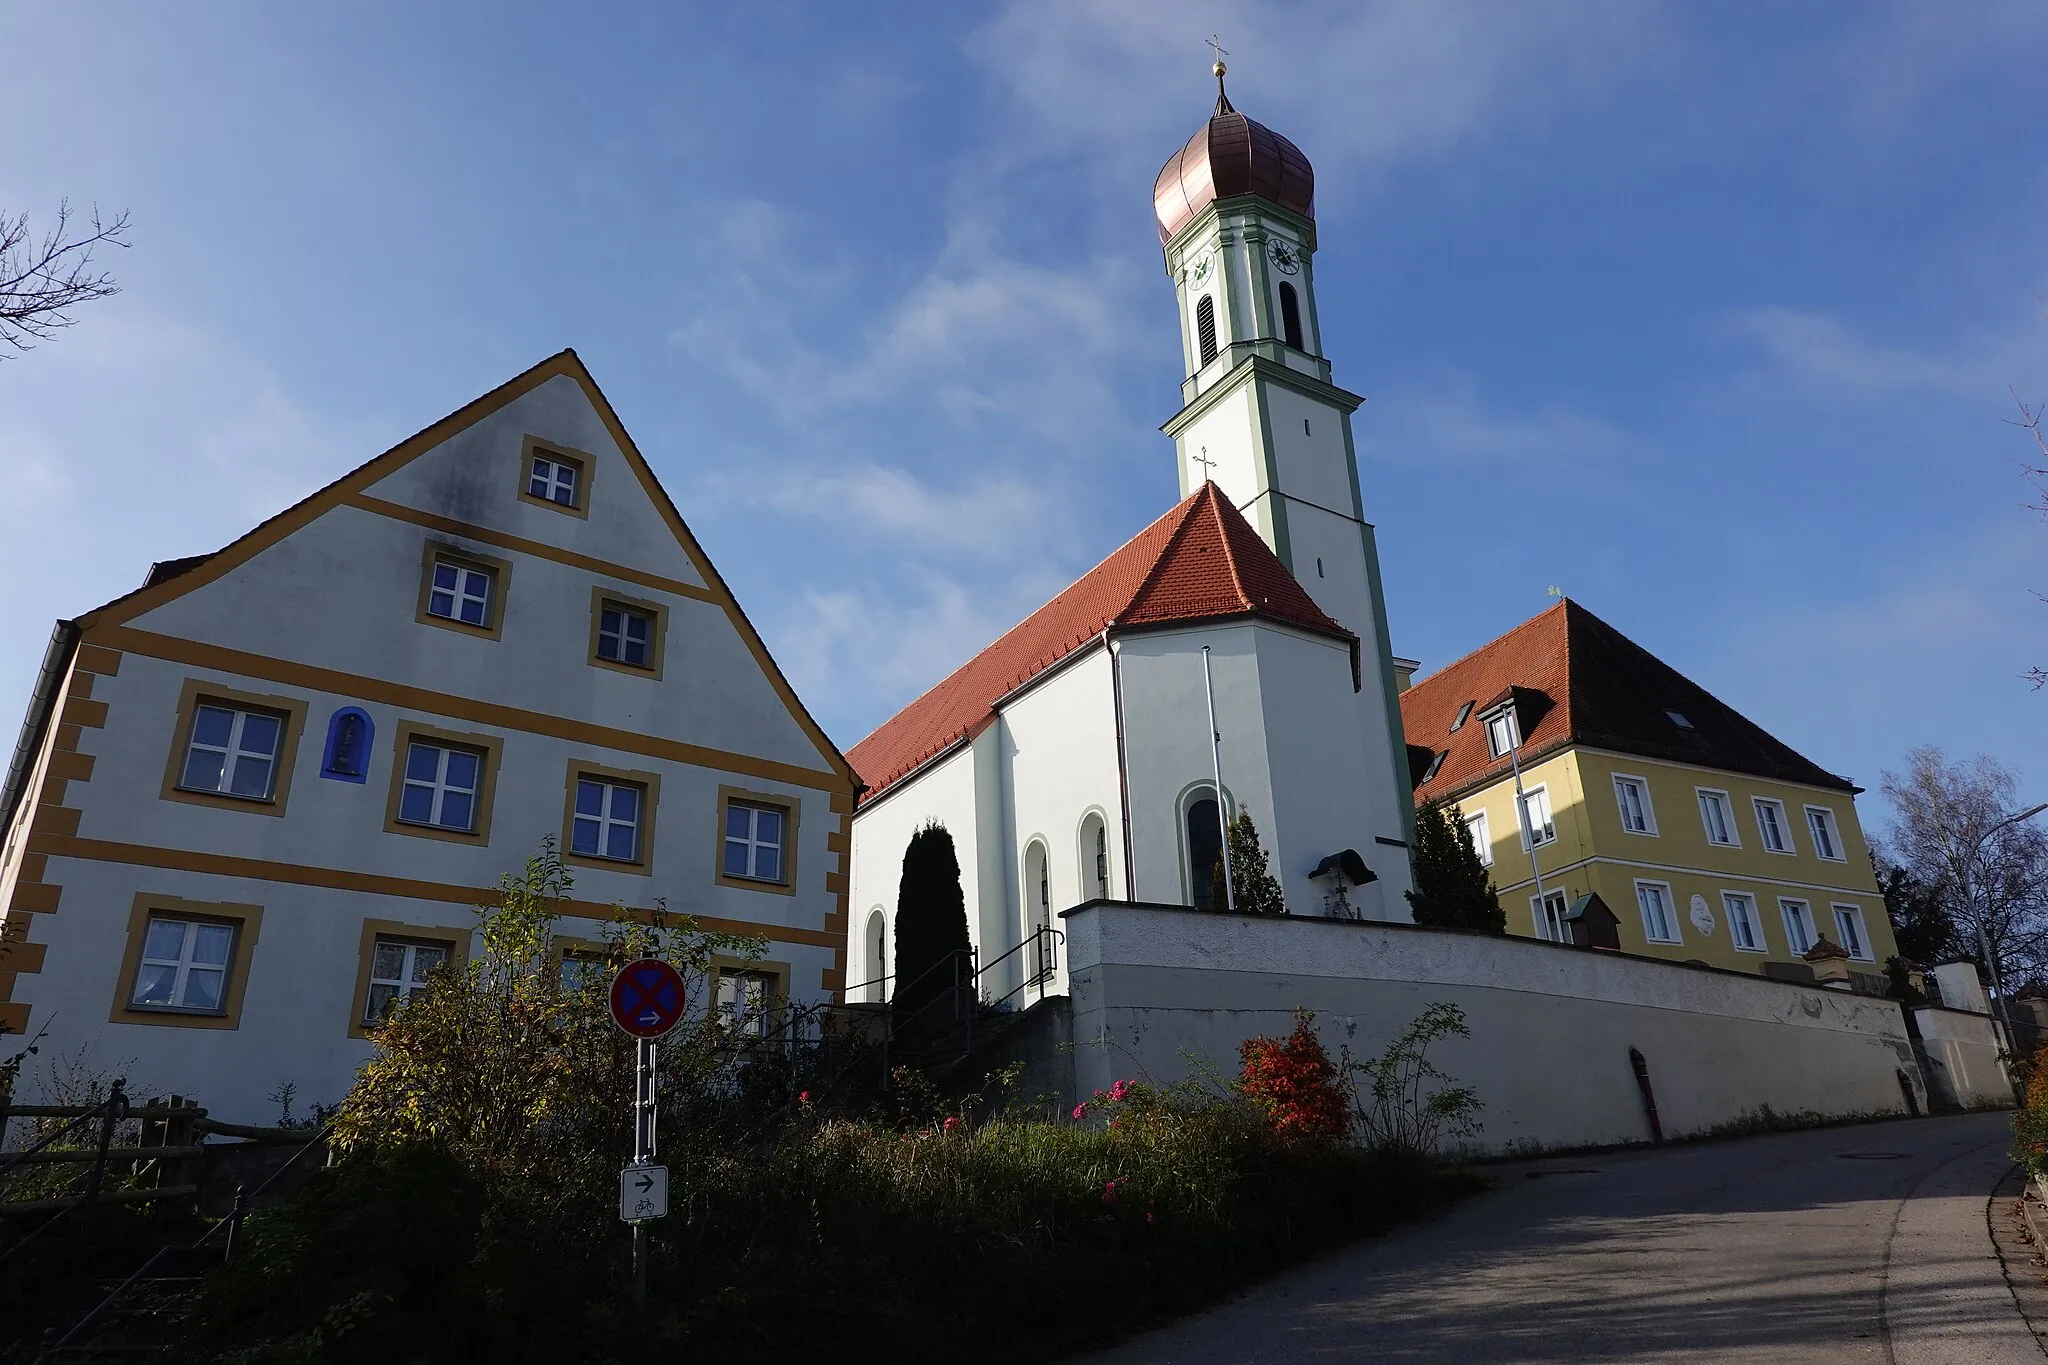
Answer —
(1123, 774)
(36, 723)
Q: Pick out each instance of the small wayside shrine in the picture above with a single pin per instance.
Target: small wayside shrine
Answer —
(1073, 759)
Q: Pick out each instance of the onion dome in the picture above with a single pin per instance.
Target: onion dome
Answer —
(1231, 155)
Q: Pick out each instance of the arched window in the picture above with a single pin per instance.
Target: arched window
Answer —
(878, 955)
(1205, 850)
(348, 745)
(1290, 316)
(1205, 328)
(1037, 908)
(1094, 858)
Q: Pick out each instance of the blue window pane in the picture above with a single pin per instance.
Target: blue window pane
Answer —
(589, 798)
(440, 603)
(609, 620)
(416, 804)
(636, 653)
(203, 770)
(259, 734)
(583, 837)
(625, 803)
(211, 725)
(462, 769)
(565, 491)
(166, 940)
(444, 577)
(619, 842)
(210, 944)
(636, 628)
(202, 989)
(455, 810)
(472, 611)
(153, 985)
(735, 858)
(767, 863)
(737, 825)
(768, 826)
(422, 762)
(252, 776)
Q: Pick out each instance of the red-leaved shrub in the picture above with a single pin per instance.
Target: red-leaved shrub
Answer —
(1294, 1081)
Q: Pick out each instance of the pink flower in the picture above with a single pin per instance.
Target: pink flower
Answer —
(1109, 1193)
(803, 1097)
(1120, 1090)
(1098, 1094)
(951, 1124)
(1080, 1112)
(1112, 1123)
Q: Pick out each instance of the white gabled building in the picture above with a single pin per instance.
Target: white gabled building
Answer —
(256, 799)
(1071, 759)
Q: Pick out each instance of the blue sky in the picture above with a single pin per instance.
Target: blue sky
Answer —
(1705, 313)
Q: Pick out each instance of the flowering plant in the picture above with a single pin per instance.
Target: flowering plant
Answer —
(1294, 1082)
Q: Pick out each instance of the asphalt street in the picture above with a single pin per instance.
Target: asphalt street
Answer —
(1846, 1244)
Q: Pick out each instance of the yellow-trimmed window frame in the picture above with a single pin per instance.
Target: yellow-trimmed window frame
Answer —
(245, 920)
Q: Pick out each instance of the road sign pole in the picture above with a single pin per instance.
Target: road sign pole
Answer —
(643, 1154)
(647, 1001)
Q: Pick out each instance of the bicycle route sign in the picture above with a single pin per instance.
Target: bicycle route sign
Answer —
(647, 998)
(643, 1193)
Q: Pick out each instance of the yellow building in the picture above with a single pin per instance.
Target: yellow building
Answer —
(1707, 839)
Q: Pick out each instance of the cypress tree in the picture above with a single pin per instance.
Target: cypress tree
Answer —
(1452, 887)
(1256, 892)
(931, 918)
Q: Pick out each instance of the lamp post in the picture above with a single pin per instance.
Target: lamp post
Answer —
(1976, 855)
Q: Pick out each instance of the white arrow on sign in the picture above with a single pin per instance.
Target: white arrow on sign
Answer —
(643, 1193)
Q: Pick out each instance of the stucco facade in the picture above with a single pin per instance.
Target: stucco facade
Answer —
(322, 617)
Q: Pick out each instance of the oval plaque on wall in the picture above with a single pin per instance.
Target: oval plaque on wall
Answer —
(1702, 915)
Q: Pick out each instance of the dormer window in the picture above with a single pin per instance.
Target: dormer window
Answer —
(1429, 773)
(1464, 714)
(1503, 733)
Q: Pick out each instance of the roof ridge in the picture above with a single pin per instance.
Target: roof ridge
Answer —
(1186, 508)
(1436, 674)
(1237, 582)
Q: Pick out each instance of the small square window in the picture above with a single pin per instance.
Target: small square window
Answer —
(555, 477)
(607, 820)
(753, 842)
(184, 965)
(624, 635)
(232, 751)
(398, 971)
(1502, 732)
(440, 786)
(552, 479)
(459, 592)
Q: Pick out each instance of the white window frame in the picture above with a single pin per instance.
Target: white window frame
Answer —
(551, 481)
(1670, 912)
(1506, 717)
(1734, 839)
(1845, 913)
(619, 639)
(440, 786)
(408, 982)
(1479, 833)
(1758, 805)
(184, 965)
(1551, 928)
(1809, 930)
(1541, 789)
(753, 842)
(1834, 834)
(466, 575)
(746, 1013)
(1642, 786)
(604, 820)
(234, 753)
(1752, 917)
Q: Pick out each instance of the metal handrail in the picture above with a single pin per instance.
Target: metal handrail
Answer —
(1048, 940)
(21, 1157)
(110, 1112)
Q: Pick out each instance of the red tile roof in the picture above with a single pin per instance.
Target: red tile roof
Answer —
(1598, 688)
(1201, 561)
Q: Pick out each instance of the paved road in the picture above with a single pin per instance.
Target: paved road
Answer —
(1849, 1244)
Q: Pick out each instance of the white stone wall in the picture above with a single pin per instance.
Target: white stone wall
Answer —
(1551, 1026)
(1963, 1057)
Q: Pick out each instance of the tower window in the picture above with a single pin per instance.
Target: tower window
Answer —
(1290, 316)
(1205, 328)
(1304, 427)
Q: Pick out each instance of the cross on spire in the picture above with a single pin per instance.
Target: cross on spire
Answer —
(1222, 100)
(1208, 465)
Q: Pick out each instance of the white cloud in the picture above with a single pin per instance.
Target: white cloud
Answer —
(993, 517)
(1823, 350)
(1454, 423)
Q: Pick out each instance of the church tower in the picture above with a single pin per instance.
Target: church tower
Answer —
(1260, 415)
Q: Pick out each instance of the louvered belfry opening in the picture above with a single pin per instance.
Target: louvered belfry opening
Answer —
(1205, 328)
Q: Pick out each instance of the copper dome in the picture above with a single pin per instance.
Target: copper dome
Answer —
(1231, 155)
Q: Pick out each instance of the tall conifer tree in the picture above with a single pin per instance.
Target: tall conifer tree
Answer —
(931, 918)
(1452, 887)
(1257, 893)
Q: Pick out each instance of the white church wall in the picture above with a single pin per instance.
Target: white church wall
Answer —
(1166, 733)
(1226, 436)
(1551, 1026)
(1327, 780)
(1059, 744)
(1311, 463)
(946, 792)
(1963, 1057)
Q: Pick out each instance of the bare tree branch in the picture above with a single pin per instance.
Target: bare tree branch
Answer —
(41, 281)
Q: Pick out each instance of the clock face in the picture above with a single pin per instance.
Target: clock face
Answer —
(1202, 269)
(1286, 258)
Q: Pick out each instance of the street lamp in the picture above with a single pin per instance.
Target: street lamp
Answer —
(1984, 911)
